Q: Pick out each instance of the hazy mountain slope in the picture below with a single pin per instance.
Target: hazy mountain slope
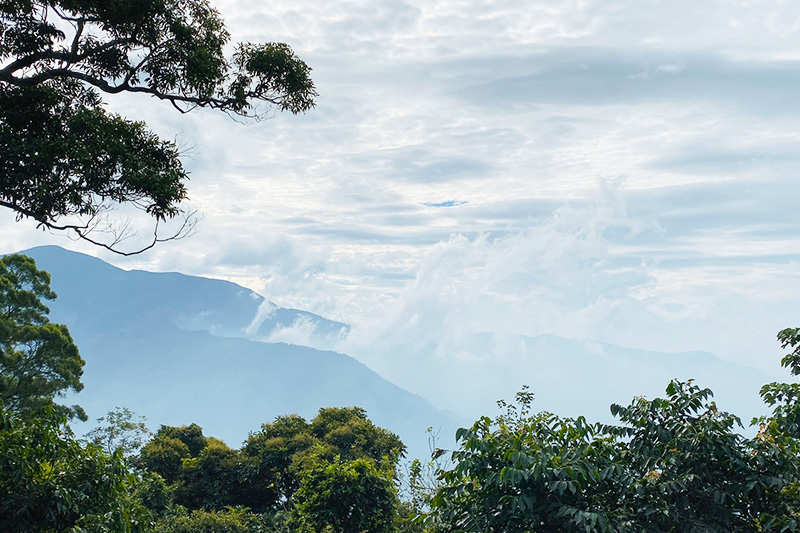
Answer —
(147, 339)
(568, 376)
(230, 386)
(164, 345)
(221, 307)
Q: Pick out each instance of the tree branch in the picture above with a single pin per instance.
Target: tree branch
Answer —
(186, 229)
(50, 92)
(103, 85)
(76, 40)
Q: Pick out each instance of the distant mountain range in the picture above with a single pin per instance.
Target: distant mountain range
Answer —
(181, 349)
(165, 345)
(569, 377)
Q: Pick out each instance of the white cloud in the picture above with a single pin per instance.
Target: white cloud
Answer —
(300, 332)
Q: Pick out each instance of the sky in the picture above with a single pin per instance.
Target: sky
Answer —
(621, 171)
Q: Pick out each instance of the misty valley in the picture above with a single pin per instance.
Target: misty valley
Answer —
(327, 444)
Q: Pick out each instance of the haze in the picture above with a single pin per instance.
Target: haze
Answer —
(624, 172)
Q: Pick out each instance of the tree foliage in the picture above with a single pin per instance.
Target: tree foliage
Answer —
(345, 496)
(231, 520)
(784, 398)
(692, 470)
(339, 454)
(353, 435)
(64, 160)
(38, 359)
(672, 464)
(213, 479)
(275, 456)
(51, 482)
(191, 435)
(122, 430)
(164, 456)
(524, 472)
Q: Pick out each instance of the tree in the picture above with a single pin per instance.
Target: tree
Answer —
(272, 458)
(672, 464)
(38, 359)
(65, 162)
(123, 430)
(351, 464)
(352, 435)
(163, 456)
(191, 435)
(347, 479)
(524, 472)
(692, 471)
(153, 493)
(202, 472)
(213, 479)
(779, 434)
(51, 482)
(784, 398)
(347, 497)
(231, 520)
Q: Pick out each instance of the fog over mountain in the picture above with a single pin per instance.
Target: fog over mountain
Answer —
(570, 377)
(163, 345)
(181, 349)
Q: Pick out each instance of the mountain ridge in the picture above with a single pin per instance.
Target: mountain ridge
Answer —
(193, 316)
(131, 329)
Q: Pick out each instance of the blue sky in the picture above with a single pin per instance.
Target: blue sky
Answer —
(624, 171)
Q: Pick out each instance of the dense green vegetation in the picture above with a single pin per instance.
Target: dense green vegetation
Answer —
(38, 360)
(670, 464)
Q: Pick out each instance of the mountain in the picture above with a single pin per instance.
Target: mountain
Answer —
(170, 347)
(192, 303)
(569, 377)
(183, 349)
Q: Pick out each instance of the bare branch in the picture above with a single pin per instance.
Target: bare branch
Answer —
(188, 227)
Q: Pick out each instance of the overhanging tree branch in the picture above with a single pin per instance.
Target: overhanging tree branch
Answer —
(61, 154)
(225, 104)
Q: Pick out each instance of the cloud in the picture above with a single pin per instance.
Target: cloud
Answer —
(593, 77)
(528, 282)
(624, 171)
(572, 276)
(421, 165)
(446, 203)
(670, 68)
(300, 332)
